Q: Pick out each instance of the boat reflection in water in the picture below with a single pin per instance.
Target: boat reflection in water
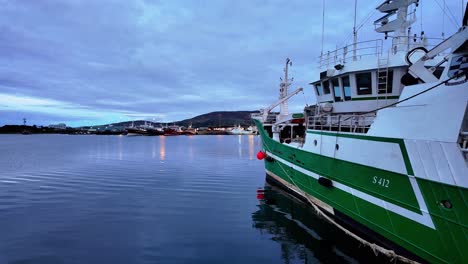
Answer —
(305, 237)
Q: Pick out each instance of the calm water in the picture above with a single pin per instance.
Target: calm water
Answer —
(113, 199)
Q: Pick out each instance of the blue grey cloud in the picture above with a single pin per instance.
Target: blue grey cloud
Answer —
(106, 61)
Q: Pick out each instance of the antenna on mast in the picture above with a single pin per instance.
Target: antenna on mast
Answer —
(355, 32)
(285, 83)
(323, 25)
(400, 26)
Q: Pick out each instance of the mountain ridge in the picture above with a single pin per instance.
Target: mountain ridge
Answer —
(211, 119)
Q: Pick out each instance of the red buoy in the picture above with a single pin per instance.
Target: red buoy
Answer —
(261, 155)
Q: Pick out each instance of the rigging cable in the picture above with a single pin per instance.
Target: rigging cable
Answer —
(360, 25)
(354, 27)
(305, 99)
(408, 98)
(443, 23)
(414, 95)
(451, 17)
(421, 15)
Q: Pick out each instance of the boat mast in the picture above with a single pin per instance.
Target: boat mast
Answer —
(355, 33)
(284, 89)
(401, 26)
(323, 26)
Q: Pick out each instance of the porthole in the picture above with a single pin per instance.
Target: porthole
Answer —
(315, 142)
(337, 147)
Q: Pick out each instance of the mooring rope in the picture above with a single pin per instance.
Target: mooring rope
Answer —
(375, 248)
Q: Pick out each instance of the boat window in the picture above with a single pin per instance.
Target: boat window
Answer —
(318, 89)
(326, 87)
(346, 88)
(364, 83)
(336, 89)
(389, 88)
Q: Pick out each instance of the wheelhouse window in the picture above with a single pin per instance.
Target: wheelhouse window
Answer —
(389, 84)
(326, 87)
(318, 89)
(346, 88)
(336, 89)
(364, 83)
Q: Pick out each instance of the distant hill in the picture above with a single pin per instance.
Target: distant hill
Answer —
(213, 119)
(219, 119)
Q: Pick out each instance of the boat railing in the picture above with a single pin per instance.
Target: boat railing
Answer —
(407, 43)
(351, 52)
(270, 119)
(341, 123)
(355, 52)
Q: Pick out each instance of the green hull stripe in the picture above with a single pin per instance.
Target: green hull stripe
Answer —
(355, 175)
(374, 98)
(392, 97)
(445, 244)
(398, 141)
(417, 217)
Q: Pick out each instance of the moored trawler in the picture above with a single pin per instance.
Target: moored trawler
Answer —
(384, 150)
(143, 130)
(240, 131)
(135, 131)
(172, 131)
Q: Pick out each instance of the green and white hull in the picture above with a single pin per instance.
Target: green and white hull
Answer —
(387, 198)
(396, 166)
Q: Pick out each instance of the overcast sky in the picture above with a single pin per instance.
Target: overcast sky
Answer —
(96, 62)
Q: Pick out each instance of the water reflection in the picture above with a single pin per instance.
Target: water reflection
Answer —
(162, 148)
(239, 146)
(154, 149)
(303, 236)
(190, 148)
(119, 138)
(251, 139)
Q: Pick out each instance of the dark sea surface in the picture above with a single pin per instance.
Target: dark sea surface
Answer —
(185, 199)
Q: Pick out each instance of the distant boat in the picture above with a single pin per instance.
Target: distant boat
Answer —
(172, 131)
(153, 131)
(144, 130)
(189, 131)
(136, 131)
(240, 131)
(133, 130)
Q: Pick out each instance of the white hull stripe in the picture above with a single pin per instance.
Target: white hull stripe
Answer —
(424, 218)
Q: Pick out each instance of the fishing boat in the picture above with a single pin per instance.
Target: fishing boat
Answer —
(189, 131)
(133, 130)
(172, 130)
(151, 130)
(383, 153)
(238, 130)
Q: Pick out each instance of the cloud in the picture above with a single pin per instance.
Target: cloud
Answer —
(59, 110)
(98, 60)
